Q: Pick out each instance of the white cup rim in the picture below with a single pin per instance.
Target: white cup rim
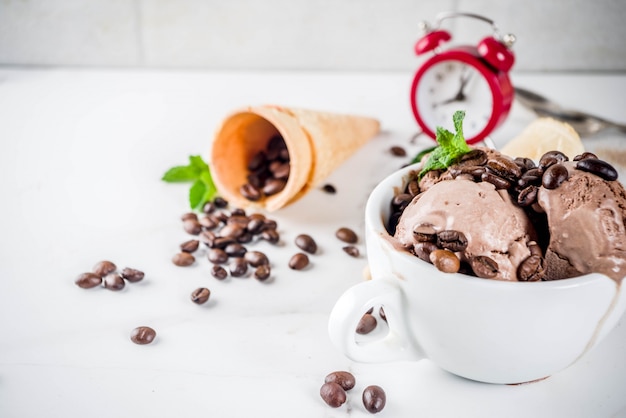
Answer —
(380, 198)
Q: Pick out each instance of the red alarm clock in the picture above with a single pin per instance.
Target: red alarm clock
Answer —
(466, 77)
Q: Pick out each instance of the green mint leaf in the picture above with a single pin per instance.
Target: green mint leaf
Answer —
(196, 194)
(179, 174)
(451, 146)
(198, 163)
(421, 154)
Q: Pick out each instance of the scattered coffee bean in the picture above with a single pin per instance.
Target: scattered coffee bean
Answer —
(262, 272)
(183, 259)
(190, 246)
(207, 238)
(256, 258)
(367, 324)
(598, 167)
(333, 394)
(208, 207)
(351, 250)
(217, 256)
(306, 243)
(374, 399)
(346, 235)
(209, 222)
(451, 240)
(238, 267)
(445, 261)
(142, 335)
(189, 216)
(270, 235)
(200, 295)
(344, 379)
(103, 268)
(222, 242)
(484, 266)
(329, 188)
(235, 250)
(192, 226)
(113, 281)
(219, 272)
(298, 261)
(220, 202)
(132, 275)
(397, 151)
(88, 280)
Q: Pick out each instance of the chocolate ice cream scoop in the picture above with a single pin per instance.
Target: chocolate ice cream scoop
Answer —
(586, 217)
(493, 226)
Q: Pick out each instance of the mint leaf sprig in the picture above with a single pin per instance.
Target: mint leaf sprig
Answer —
(451, 146)
(198, 173)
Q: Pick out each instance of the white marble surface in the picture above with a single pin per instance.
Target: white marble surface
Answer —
(81, 156)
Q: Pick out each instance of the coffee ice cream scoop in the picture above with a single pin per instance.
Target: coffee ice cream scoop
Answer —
(586, 217)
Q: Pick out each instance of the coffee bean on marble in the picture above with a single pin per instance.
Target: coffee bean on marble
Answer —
(598, 167)
(445, 261)
(329, 188)
(235, 250)
(192, 226)
(207, 238)
(208, 207)
(220, 202)
(255, 225)
(344, 379)
(298, 261)
(374, 399)
(397, 151)
(306, 243)
(366, 324)
(262, 272)
(200, 295)
(269, 224)
(103, 268)
(219, 272)
(113, 281)
(190, 246)
(245, 238)
(238, 267)
(255, 258)
(484, 266)
(346, 235)
(183, 259)
(270, 235)
(88, 280)
(142, 335)
(132, 275)
(333, 394)
(351, 250)
(222, 242)
(585, 155)
(209, 221)
(217, 256)
(189, 216)
(232, 230)
(554, 176)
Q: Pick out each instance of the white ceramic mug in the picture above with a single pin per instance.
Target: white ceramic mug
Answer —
(485, 330)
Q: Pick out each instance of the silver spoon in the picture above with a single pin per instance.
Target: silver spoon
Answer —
(583, 123)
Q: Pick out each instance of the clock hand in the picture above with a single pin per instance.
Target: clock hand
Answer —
(460, 95)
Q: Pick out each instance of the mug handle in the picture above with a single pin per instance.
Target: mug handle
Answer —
(395, 346)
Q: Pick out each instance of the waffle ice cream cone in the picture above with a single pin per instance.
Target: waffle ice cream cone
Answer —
(543, 135)
(318, 142)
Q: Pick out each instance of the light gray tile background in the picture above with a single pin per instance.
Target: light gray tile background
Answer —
(553, 35)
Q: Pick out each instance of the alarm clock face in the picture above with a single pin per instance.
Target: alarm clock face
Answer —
(448, 86)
